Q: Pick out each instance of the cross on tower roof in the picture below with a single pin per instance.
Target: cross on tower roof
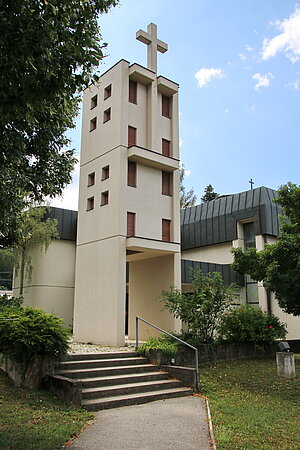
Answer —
(153, 45)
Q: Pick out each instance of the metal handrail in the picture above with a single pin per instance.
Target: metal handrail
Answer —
(174, 337)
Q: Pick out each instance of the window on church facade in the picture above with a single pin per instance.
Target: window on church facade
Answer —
(104, 198)
(91, 179)
(130, 224)
(94, 101)
(133, 91)
(251, 285)
(166, 147)
(166, 230)
(131, 174)
(131, 136)
(107, 92)
(107, 115)
(93, 124)
(90, 203)
(105, 173)
(166, 106)
(166, 183)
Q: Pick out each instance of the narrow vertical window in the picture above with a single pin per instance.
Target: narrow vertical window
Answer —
(107, 92)
(94, 101)
(165, 147)
(130, 224)
(166, 106)
(166, 230)
(131, 174)
(166, 183)
(131, 136)
(104, 198)
(93, 124)
(90, 203)
(91, 179)
(107, 115)
(105, 172)
(133, 91)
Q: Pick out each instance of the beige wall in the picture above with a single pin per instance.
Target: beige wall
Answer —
(51, 286)
(218, 254)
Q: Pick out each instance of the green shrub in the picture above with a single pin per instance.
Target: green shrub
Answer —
(248, 323)
(163, 342)
(32, 332)
(8, 301)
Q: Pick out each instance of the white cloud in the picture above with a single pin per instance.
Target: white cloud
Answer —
(248, 48)
(187, 173)
(287, 41)
(242, 56)
(262, 80)
(204, 76)
(294, 85)
(69, 199)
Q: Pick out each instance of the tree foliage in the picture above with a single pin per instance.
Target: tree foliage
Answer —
(278, 265)
(201, 309)
(49, 50)
(187, 198)
(34, 231)
(209, 194)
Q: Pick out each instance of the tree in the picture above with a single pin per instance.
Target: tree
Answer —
(203, 308)
(35, 231)
(209, 194)
(6, 268)
(186, 198)
(278, 265)
(49, 52)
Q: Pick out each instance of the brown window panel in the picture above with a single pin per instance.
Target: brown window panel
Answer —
(90, 203)
(104, 198)
(91, 179)
(107, 92)
(166, 230)
(107, 115)
(105, 172)
(166, 147)
(131, 174)
(94, 101)
(133, 91)
(166, 106)
(131, 136)
(166, 183)
(93, 124)
(130, 224)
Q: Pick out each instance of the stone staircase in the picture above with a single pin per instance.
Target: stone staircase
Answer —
(113, 379)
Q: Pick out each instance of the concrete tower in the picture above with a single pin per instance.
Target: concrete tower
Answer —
(129, 200)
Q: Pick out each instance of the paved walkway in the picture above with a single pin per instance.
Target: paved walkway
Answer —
(177, 423)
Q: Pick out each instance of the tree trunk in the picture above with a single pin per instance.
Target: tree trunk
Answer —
(22, 271)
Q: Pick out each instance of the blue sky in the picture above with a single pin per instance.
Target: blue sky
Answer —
(238, 67)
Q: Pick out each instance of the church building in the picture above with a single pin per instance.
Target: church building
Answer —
(128, 241)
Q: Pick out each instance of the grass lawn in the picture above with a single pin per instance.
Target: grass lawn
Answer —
(251, 407)
(32, 419)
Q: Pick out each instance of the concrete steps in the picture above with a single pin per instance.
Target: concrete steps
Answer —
(110, 380)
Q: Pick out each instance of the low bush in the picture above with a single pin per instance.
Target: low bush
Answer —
(163, 342)
(248, 323)
(29, 332)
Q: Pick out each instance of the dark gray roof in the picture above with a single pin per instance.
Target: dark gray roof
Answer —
(67, 222)
(215, 222)
(228, 274)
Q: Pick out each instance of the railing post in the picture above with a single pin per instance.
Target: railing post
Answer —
(136, 333)
(197, 370)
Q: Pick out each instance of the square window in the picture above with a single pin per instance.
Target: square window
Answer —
(133, 91)
(90, 204)
(94, 101)
(131, 174)
(105, 172)
(130, 224)
(104, 198)
(131, 136)
(166, 106)
(93, 124)
(166, 230)
(166, 147)
(107, 115)
(166, 183)
(91, 179)
(107, 92)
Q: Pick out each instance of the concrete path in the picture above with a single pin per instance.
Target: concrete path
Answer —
(177, 423)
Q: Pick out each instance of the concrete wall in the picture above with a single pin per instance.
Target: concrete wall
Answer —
(219, 253)
(51, 285)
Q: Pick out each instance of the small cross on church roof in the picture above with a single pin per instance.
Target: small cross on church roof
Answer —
(153, 45)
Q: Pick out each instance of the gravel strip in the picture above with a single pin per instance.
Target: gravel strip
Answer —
(78, 347)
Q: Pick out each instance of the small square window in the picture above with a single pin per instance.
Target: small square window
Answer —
(90, 204)
(105, 172)
(104, 198)
(91, 179)
(107, 115)
(107, 92)
(93, 124)
(94, 101)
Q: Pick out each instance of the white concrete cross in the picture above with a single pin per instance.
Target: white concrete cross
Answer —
(153, 45)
